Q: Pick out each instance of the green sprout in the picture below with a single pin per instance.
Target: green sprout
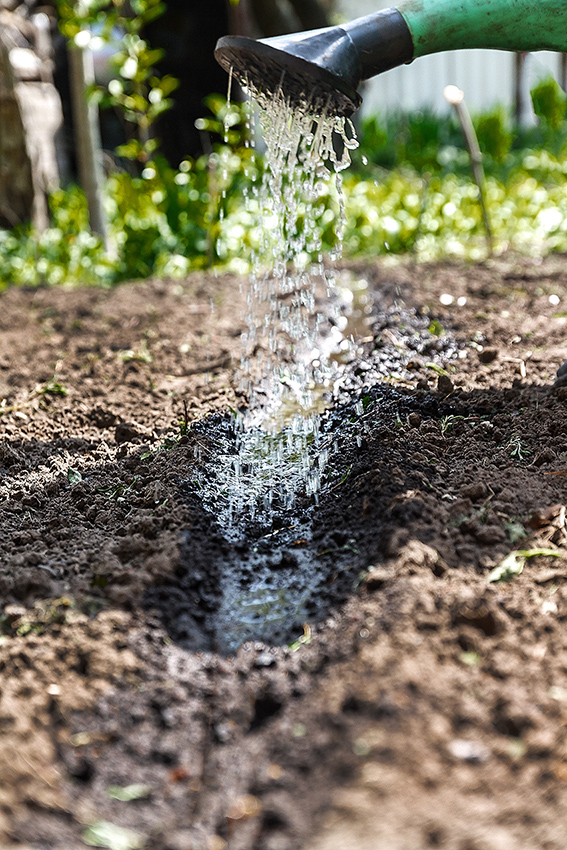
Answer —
(513, 564)
(516, 448)
(52, 387)
(447, 423)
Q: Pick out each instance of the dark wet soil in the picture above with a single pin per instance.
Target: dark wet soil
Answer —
(346, 674)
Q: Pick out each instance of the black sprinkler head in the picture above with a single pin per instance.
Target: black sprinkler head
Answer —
(319, 69)
(268, 70)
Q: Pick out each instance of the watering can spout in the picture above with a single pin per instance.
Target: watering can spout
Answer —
(322, 69)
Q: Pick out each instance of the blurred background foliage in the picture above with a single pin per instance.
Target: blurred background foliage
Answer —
(409, 189)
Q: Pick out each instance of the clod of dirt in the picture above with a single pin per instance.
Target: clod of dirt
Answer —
(488, 355)
(126, 432)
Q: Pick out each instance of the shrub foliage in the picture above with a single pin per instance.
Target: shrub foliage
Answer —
(409, 190)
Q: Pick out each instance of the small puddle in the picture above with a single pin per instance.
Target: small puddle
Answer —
(271, 595)
(267, 573)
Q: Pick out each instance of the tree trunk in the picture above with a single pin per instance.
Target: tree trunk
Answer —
(16, 183)
(30, 117)
(87, 136)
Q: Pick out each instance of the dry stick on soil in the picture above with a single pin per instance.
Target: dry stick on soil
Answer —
(456, 98)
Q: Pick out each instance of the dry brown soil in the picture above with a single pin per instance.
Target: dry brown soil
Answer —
(424, 706)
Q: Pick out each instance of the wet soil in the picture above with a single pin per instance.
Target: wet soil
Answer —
(378, 687)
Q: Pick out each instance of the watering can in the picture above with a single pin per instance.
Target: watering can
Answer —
(323, 68)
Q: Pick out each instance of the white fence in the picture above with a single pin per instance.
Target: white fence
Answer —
(487, 77)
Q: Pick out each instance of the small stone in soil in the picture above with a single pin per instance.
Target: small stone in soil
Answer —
(469, 751)
(445, 384)
(488, 355)
(125, 433)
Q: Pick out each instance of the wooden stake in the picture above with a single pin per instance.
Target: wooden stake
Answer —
(456, 98)
(87, 138)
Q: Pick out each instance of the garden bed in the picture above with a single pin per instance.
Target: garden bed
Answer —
(412, 702)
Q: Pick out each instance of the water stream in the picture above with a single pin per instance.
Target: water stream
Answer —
(290, 359)
(285, 364)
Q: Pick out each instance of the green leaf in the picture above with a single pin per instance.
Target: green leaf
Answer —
(113, 837)
(167, 84)
(52, 387)
(513, 564)
(153, 56)
(73, 475)
(437, 369)
(436, 328)
(538, 553)
(549, 102)
(126, 793)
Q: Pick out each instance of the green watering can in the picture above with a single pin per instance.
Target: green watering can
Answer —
(324, 68)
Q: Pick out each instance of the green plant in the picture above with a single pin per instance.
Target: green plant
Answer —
(302, 640)
(167, 221)
(412, 139)
(549, 102)
(436, 328)
(447, 423)
(428, 143)
(137, 90)
(517, 448)
(183, 423)
(40, 618)
(513, 564)
(494, 134)
(118, 492)
(52, 387)
(140, 354)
